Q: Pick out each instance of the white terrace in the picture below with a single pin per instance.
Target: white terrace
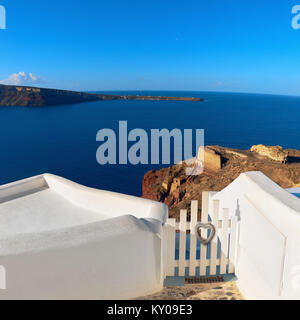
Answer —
(60, 240)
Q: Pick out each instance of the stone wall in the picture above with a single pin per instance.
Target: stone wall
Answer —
(212, 160)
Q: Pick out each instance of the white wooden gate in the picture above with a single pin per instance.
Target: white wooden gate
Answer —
(193, 259)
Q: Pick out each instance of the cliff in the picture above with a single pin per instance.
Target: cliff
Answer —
(222, 165)
(38, 97)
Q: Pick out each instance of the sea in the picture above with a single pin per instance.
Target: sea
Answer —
(62, 139)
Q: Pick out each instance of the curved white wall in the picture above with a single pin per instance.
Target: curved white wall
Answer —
(268, 263)
(116, 258)
(113, 259)
(110, 203)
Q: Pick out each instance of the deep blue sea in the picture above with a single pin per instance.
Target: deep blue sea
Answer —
(62, 139)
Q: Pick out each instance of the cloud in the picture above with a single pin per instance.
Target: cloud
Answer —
(21, 78)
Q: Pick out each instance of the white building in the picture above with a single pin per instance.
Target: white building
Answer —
(60, 240)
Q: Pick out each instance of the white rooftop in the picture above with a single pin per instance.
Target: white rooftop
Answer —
(48, 203)
(41, 211)
(62, 240)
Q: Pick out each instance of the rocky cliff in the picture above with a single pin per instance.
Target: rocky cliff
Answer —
(38, 97)
(172, 187)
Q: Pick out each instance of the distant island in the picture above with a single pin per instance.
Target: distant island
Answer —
(21, 96)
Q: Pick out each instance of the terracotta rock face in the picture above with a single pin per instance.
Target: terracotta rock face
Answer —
(273, 152)
(233, 163)
(154, 186)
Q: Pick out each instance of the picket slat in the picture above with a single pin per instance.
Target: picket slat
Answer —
(171, 229)
(214, 242)
(224, 241)
(193, 239)
(232, 249)
(204, 219)
(182, 242)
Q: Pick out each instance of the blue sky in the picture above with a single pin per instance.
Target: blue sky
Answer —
(232, 45)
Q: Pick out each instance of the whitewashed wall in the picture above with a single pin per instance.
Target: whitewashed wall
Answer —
(116, 258)
(113, 259)
(110, 203)
(268, 262)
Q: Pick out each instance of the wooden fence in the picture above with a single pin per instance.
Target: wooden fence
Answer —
(191, 258)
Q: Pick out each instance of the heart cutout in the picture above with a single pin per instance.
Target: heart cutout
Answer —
(208, 226)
